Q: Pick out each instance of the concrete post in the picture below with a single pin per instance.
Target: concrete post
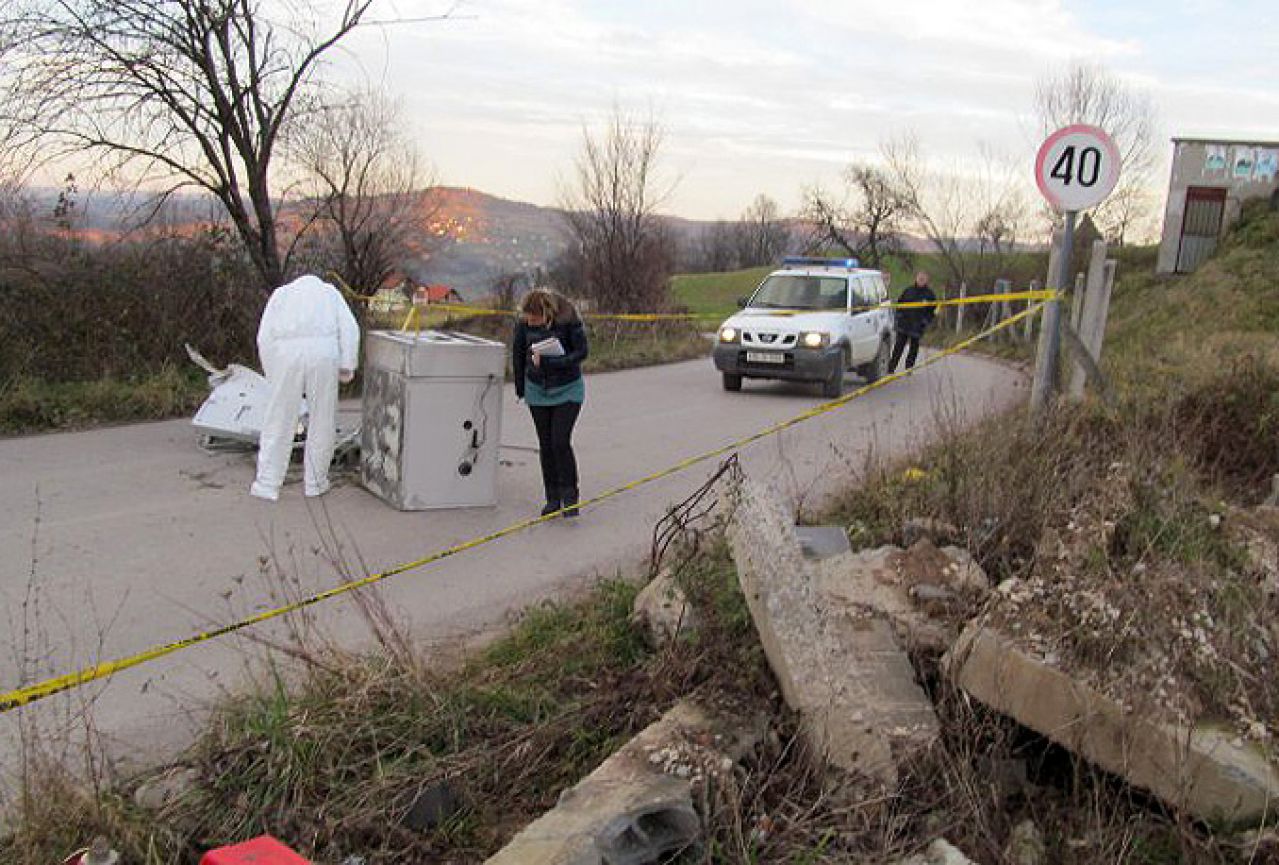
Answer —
(1050, 335)
(1077, 300)
(959, 310)
(1092, 326)
(1028, 323)
(999, 308)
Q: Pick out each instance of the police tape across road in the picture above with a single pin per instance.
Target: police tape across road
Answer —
(14, 699)
(1028, 296)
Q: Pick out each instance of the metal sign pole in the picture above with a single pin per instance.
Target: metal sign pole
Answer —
(1050, 334)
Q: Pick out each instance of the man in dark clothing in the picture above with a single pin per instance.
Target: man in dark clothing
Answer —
(912, 321)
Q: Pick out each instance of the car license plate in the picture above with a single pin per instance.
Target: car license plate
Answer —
(765, 357)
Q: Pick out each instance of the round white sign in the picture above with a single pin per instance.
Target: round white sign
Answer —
(1077, 167)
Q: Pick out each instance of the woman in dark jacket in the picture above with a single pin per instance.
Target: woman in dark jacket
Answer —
(548, 376)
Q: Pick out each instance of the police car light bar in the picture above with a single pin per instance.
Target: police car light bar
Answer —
(807, 261)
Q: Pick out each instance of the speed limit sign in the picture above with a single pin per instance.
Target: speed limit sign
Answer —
(1077, 167)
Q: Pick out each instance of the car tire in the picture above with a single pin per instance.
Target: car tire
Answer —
(877, 368)
(732, 382)
(833, 386)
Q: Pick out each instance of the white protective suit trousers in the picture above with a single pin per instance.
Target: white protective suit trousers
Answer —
(299, 366)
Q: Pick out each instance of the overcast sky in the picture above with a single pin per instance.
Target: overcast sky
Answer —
(772, 96)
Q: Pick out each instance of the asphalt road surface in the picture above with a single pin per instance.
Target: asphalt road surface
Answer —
(115, 540)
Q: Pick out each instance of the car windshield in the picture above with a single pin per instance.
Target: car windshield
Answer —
(792, 291)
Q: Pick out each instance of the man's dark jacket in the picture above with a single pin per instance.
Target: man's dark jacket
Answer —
(914, 320)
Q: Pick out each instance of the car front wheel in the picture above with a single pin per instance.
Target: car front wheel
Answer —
(834, 385)
(732, 382)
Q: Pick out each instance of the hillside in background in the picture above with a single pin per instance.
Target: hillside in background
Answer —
(475, 237)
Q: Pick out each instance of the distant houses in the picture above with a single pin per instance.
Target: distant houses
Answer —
(398, 292)
(424, 294)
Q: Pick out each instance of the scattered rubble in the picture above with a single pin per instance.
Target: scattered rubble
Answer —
(852, 684)
(924, 591)
(637, 806)
(159, 791)
(663, 611)
(1026, 845)
(940, 852)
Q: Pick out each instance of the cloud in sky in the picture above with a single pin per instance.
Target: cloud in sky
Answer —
(771, 96)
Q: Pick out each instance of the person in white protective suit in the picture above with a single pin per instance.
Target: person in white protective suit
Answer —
(309, 342)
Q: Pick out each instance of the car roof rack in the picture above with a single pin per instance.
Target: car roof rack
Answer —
(811, 261)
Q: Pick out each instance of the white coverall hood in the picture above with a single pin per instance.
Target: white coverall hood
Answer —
(306, 335)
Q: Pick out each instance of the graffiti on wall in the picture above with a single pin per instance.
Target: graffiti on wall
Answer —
(1241, 162)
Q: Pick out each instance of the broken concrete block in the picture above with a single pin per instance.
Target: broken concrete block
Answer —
(924, 562)
(1026, 845)
(160, 790)
(962, 571)
(867, 583)
(637, 806)
(854, 688)
(1199, 770)
(663, 610)
(940, 852)
(823, 542)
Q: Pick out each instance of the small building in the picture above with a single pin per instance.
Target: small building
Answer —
(426, 294)
(1211, 179)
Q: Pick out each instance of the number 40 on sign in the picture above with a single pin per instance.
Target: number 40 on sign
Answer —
(1077, 167)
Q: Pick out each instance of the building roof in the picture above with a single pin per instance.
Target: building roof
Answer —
(436, 293)
(1179, 140)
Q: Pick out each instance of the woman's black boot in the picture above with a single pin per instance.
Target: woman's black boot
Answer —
(570, 502)
(552, 501)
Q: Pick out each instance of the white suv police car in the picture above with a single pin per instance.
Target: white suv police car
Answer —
(810, 321)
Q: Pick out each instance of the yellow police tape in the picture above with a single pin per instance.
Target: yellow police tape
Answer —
(1028, 296)
(10, 700)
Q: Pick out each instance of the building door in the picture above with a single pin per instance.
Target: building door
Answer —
(1200, 226)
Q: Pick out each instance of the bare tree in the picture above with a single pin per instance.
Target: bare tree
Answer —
(1089, 93)
(365, 187)
(761, 235)
(623, 252)
(963, 211)
(716, 247)
(870, 227)
(179, 93)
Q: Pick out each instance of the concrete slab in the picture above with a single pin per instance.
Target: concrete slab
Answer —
(822, 542)
(1199, 770)
(637, 806)
(854, 688)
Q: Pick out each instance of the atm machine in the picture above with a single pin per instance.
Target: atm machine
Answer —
(432, 418)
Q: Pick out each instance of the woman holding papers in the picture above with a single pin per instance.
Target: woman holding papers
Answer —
(546, 356)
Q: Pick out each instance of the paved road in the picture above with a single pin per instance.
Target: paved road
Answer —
(118, 539)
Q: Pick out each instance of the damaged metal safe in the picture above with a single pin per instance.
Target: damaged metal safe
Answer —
(432, 419)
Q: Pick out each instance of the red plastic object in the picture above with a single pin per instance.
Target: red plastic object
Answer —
(263, 850)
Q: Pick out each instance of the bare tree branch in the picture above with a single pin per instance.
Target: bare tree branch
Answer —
(1088, 93)
(622, 254)
(366, 189)
(178, 92)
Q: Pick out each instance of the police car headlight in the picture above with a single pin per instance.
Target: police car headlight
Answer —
(815, 339)
(728, 334)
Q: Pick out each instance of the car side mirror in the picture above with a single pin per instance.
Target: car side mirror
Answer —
(742, 301)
